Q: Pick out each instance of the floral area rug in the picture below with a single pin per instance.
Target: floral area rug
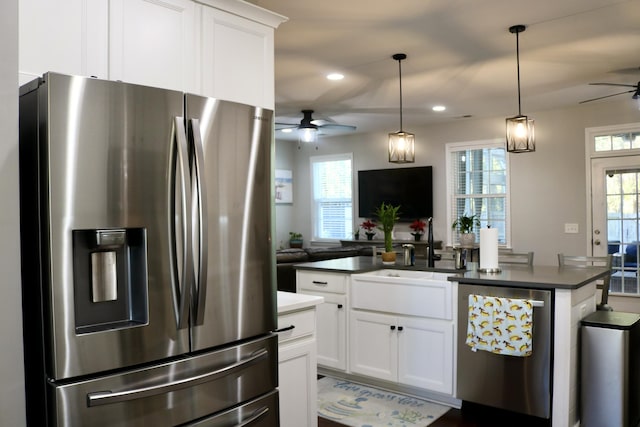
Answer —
(363, 406)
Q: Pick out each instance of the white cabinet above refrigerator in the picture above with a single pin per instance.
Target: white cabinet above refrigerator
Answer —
(221, 49)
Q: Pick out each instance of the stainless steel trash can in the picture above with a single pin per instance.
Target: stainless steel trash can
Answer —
(610, 374)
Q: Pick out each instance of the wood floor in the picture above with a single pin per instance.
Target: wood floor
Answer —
(473, 416)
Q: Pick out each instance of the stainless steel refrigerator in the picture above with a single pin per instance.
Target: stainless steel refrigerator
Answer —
(147, 260)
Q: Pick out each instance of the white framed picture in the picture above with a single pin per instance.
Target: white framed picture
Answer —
(284, 186)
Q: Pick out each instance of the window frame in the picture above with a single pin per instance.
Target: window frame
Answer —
(314, 214)
(450, 149)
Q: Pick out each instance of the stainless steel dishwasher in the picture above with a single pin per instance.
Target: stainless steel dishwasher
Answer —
(519, 384)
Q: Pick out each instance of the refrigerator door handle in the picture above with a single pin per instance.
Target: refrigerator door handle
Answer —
(108, 397)
(255, 417)
(181, 272)
(200, 217)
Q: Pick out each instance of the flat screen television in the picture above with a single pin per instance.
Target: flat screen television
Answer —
(411, 188)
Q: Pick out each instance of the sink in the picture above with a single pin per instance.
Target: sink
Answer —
(388, 274)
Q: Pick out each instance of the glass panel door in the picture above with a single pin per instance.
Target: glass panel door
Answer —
(615, 186)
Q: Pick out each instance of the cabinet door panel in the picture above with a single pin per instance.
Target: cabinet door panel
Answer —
(297, 384)
(425, 352)
(331, 332)
(373, 346)
(237, 59)
(153, 43)
(66, 37)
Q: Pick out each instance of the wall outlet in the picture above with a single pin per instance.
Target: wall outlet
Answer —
(571, 228)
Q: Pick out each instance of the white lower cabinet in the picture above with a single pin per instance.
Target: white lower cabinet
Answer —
(332, 328)
(374, 342)
(297, 369)
(297, 385)
(425, 354)
(332, 315)
(411, 351)
(402, 330)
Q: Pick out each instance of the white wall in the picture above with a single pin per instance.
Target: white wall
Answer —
(285, 214)
(547, 186)
(12, 406)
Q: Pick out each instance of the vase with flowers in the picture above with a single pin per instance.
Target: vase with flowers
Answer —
(418, 229)
(369, 228)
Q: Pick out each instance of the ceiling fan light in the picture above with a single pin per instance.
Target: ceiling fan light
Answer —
(402, 147)
(308, 134)
(520, 134)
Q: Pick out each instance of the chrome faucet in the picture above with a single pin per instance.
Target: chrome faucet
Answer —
(430, 255)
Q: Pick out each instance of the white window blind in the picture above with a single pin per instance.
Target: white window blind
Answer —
(332, 203)
(478, 185)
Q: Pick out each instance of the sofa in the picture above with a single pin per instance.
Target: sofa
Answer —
(287, 258)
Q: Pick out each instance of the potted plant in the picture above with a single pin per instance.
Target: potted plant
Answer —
(295, 240)
(464, 224)
(418, 229)
(369, 228)
(387, 216)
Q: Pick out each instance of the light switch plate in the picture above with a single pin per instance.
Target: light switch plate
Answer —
(571, 228)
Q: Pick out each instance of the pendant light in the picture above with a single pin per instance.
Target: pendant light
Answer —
(520, 130)
(401, 143)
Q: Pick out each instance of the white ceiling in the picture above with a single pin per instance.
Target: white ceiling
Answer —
(460, 54)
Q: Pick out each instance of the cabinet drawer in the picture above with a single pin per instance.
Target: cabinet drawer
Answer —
(303, 322)
(322, 282)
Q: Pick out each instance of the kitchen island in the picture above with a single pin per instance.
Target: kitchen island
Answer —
(573, 296)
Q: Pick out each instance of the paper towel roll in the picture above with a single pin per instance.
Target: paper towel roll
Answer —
(488, 248)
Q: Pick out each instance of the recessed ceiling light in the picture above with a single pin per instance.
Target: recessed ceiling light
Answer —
(439, 108)
(287, 130)
(335, 76)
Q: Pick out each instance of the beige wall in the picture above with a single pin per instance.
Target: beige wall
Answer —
(548, 187)
(12, 411)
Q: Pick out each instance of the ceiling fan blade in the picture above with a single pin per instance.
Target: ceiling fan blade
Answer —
(612, 84)
(280, 126)
(607, 96)
(336, 126)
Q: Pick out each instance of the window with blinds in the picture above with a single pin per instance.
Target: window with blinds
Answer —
(478, 185)
(332, 202)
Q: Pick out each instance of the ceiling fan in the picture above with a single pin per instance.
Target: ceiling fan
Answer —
(309, 128)
(635, 90)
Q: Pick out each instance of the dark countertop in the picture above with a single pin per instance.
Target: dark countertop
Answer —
(538, 276)
(355, 264)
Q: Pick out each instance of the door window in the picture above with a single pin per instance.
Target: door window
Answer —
(615, 203)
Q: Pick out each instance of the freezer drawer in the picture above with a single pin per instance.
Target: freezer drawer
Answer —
(260, 412)
(172, 393)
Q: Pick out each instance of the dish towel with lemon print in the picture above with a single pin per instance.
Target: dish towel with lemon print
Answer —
(500, 325)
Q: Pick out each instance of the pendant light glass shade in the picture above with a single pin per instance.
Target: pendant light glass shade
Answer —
(402, 147)
(520, 134)
(401, 144)
(520, 129)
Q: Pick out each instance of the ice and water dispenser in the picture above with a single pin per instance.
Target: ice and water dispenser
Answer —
(110, 279)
